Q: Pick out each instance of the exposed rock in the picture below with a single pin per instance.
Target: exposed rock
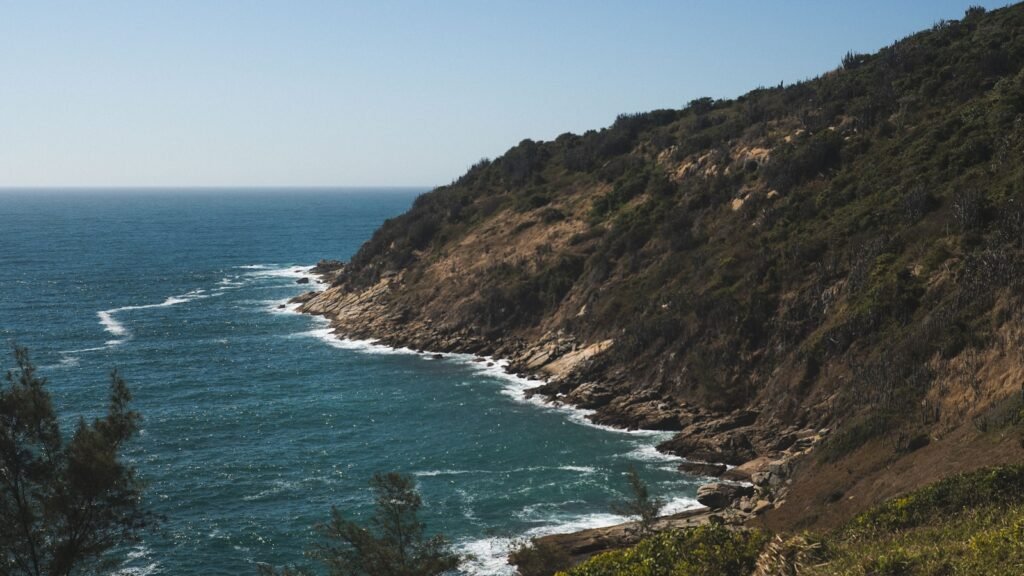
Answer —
(730, 448)
(585, 543)
(745, 472)
(631, 412)
(720, 495)
(703, 469)
(304, 297)
(783, 442)
(302, 280)
(761, 506)
(590, 395)
(737, 419)
(567, 357)
(325, 266)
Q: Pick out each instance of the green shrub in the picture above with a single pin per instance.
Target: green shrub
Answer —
(967, 524)
(539, 558)
(709, 550)
(973, 490)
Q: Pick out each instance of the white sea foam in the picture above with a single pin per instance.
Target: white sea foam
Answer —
(228, 282)
(93, 349)
(679, 504)
(281, 306)
(490, 555)
(431, 473)
(66, 361)
(110, 324)
(648, 453)
(114, 327)
(138, 554)
(446, 472)
(277, 487)
(515, 387)
(146, 570)
(367, 346)
(263, 271)
(580, 469)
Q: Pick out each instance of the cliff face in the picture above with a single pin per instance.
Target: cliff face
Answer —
(842, 253)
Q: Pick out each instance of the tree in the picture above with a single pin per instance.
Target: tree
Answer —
(640, 505)
(64, 503)
(538, 557)
(394, 544)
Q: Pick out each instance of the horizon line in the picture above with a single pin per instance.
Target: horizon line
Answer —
(239, 187)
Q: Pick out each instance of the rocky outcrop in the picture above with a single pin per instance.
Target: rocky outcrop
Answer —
(762, 483)
(702, 469)
(718, 495)
(585, 543)
(732, 447)
(633, 413)
(327, 267)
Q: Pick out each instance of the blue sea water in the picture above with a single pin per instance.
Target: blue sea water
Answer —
(256, 420)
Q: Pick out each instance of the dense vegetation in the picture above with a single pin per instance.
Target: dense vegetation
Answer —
(966, 524)
(830, 252)
(709, 550)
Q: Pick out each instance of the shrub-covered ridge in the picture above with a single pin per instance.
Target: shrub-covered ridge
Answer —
(844, 253)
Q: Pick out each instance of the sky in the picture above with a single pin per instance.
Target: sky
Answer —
(380, 93)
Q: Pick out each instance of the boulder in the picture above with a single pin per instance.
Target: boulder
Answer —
(720, 495)
(634, 412)
(729, 447)
(761, 506)
(737, 419)
(304, 297)
(783, 442)
(590, 395)
(702, 469)
(302, 280)
(746, 471)
(324, 266)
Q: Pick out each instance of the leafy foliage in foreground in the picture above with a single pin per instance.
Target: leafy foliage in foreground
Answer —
(640, 505)
(710, 550)
(64, 503)
(539, 558)
(969, 524)
(393, 544)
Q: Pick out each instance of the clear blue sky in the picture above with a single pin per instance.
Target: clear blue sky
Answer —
(259, 93)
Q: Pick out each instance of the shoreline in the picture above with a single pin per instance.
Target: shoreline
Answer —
(527, 384)
(736, 497)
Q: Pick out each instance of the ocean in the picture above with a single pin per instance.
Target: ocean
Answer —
(256, 421)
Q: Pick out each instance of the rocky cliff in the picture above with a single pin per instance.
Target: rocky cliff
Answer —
(834, 264)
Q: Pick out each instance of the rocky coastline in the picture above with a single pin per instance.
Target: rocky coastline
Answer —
(749, 464)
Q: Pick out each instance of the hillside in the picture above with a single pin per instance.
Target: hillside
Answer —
(845, 253)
